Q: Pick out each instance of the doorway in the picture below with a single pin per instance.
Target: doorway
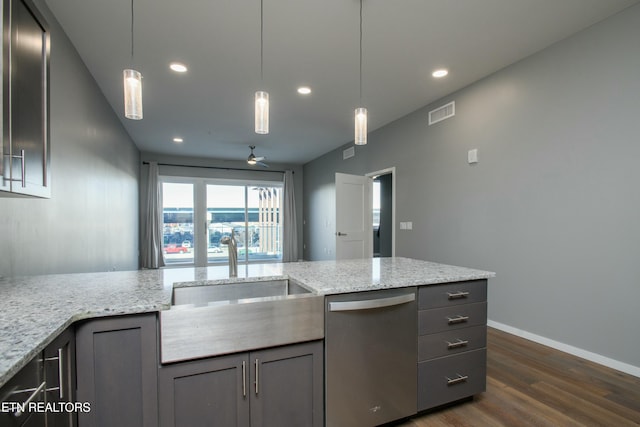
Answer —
(383, 212)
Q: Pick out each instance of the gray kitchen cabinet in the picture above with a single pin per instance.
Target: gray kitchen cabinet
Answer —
(452, 339)
(25, 166)
(60, 374)
(26, 386)
(117, 359)
(38, 383)
(206, 392)
(287, 386)
(280, 386)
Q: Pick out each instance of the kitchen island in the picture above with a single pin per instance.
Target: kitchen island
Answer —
(35, 310)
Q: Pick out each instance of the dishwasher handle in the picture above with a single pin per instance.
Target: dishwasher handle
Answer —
(371, 303)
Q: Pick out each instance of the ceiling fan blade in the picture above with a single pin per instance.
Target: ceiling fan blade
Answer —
(259, 159)
(264, 165)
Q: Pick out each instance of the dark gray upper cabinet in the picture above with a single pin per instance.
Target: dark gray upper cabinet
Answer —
(25, 166)
(116, 362)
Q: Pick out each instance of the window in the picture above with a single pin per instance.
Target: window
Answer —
(251, 209)
(177, 200)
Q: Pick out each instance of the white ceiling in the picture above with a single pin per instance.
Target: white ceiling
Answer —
(306, 42)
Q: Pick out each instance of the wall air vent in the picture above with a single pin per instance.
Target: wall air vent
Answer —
(442, 113)
(348, 153)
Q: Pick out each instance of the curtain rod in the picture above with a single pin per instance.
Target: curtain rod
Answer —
(220, 167)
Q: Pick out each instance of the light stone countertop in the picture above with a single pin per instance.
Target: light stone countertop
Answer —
(36, 309)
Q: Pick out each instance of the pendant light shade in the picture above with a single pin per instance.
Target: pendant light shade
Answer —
(360, 137)
(262, 112)
(132, 94)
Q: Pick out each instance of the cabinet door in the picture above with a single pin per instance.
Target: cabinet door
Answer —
(60, 372)
(287, 386)
(209, 392)
(28, 101)
(116, 361)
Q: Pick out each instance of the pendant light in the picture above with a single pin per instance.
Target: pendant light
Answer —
(360, 128)
(132, 86)
(262, 97)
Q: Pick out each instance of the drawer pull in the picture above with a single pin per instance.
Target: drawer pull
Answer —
(457, 295)
(459, 343)
(457, 319)
(34, 394)
(459, 380)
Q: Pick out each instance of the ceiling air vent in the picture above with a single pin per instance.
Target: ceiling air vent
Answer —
(442, 113)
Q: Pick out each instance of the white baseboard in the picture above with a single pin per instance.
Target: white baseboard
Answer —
(593, 357)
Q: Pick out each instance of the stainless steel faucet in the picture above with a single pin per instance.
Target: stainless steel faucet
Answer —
(233, 253)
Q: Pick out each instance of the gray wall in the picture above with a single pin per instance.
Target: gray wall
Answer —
(91, 221)
(552, 206)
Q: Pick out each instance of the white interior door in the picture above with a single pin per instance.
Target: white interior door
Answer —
(354, 237)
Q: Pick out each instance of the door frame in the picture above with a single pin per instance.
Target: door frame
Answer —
(391, 170)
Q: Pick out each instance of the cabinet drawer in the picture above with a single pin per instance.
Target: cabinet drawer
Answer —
(26, 386)
(448, 379)
(452, 294)
(450, 318)
(451, 342)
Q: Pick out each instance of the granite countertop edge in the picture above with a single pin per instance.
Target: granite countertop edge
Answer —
(54, 306)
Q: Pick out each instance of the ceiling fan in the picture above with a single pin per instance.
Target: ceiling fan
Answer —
(253, 160)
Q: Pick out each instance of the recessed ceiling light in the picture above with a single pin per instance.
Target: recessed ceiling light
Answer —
(304, 90)
(178, 140)
(178, 67)
(440, 73)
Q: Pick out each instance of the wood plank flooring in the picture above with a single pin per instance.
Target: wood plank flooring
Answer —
(529, 384)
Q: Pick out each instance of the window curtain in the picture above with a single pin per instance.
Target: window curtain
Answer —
(152, 256)
(290, 227)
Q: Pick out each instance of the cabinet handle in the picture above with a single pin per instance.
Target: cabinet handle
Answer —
(24, 183)
(60, 360)
(457, 295)
(244, 379)
(35, 392)
(371, 303)
(22, 166)
(459, 343)
(457, 319)
(458, 380)
(256, 383)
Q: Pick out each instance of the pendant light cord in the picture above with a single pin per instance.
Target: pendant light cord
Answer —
(360, 52)
(261, 41)
(132, 30)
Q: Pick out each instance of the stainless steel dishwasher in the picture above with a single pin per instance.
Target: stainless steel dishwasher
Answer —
(371, 357)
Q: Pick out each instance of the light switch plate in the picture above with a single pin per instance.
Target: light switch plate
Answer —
(472, 156)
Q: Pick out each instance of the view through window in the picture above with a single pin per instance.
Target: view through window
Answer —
(252, 211)
(177, 199)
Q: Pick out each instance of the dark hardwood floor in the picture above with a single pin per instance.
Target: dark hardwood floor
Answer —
(529, 384)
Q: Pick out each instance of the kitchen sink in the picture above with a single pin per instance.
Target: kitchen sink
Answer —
(238, 291)
(212, 319)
